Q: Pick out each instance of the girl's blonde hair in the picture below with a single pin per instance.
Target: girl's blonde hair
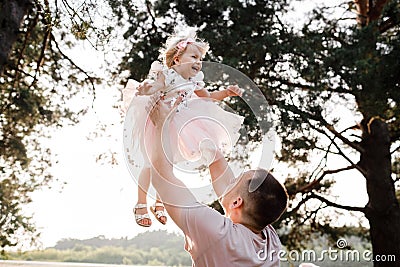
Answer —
(177, 44)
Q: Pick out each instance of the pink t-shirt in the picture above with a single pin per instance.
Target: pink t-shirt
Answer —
(214, 240)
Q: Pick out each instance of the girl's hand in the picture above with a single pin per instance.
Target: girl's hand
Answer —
(234, 90)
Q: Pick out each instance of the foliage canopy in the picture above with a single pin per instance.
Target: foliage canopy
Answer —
(343, 57)
(37, 80)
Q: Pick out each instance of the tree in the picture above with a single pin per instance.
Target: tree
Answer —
(12, 14)
(355, 63)
(37, 79)
(332, 59)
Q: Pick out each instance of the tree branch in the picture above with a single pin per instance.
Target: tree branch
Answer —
(354, 127)
(153, 19)
(72, 15)
(394, 136)
(89, 77)
(326, 150)
(388, 24)
(304, 200)
(348, 159)
(306, 87)
(376, 11)
(311, 185)
(31, 25)
(328, 126)
(335, 205)
(342, 138)
(339, 149)
(394, 150)
(45, 42)
(18, 70)
(311, 214)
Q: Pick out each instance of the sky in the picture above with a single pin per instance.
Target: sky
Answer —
(97, 197)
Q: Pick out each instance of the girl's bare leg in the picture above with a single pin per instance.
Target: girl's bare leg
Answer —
(143, 187)
(163, 218)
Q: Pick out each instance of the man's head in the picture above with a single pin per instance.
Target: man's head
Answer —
(255, 207)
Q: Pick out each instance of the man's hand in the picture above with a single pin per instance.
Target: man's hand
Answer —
(234, 90)
(145, 87)
(157, 110)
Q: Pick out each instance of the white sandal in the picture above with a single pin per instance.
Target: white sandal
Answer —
(139, 217)
(159, 213)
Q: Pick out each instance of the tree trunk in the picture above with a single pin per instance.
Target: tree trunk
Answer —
(12, 12)
(382, 210)
(368, 10)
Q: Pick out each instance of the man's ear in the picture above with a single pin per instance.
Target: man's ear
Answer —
(237, 202)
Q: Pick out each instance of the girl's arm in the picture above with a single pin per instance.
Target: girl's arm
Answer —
(231, 90)
(203, 93)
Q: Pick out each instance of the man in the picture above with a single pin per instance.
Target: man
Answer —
(243, 237)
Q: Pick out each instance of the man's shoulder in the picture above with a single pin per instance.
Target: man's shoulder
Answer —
(204, 212)
(241, 247)
(204, 219)
(270, 229)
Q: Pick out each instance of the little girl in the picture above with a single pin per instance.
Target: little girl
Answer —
(180, 80)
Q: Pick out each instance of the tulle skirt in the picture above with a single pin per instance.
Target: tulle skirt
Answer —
(195, 133)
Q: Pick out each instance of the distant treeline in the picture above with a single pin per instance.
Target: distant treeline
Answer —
(160, 248)
(150, 239)
(149, 248)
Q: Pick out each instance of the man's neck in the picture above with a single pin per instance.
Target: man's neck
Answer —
(251, 228)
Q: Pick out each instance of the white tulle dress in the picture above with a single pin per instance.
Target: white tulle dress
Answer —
(197, 129)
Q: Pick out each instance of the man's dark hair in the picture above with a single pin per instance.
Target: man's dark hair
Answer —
(266, 203)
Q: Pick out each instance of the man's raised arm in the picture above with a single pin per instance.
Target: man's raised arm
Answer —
(174, 194)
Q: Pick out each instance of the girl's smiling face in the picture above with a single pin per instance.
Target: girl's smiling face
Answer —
(189, 63)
